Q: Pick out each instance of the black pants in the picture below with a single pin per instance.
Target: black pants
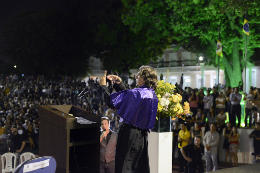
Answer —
(131, 150)
(235, 112)
(193, 166)
(182, 161)
(174, 144)
(257, 148)
(248, 114)
(206, 113)
(229, 111)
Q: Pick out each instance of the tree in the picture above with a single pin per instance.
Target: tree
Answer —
(117, 45)
(193, 24)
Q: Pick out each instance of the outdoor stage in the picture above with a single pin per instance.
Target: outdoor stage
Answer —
(252, 168)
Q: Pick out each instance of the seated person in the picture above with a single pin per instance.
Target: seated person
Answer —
(197, 131)
(199, 118)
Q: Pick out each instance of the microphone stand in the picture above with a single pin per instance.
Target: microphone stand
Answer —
(91, 110)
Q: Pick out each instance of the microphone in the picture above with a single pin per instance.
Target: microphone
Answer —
(103, 132)
(85, 91)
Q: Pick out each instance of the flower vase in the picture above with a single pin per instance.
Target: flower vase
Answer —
(163, 124)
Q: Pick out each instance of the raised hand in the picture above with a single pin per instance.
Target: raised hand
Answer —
(114, 78)
(103, 80)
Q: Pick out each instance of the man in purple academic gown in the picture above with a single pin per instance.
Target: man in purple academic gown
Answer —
(137, 107)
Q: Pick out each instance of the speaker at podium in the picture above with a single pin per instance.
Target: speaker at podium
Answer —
(71, 135)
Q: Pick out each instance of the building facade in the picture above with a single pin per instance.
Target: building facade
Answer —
(195, 73)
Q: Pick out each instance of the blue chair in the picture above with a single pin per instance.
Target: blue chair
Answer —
(46, 164)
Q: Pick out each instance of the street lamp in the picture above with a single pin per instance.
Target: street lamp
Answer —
(201, 58)
(15, 66)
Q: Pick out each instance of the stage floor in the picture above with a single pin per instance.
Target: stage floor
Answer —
(222, 166)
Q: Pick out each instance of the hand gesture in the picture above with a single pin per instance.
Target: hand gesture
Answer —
(114, 78)
(189, 159)
(103, 80)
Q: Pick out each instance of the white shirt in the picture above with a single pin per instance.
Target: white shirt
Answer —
(220, 100)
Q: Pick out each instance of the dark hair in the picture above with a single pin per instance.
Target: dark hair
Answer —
(198, 136)
(183, 123)
(149, 75)
(194, 95)
(214, 124)
(231, 133)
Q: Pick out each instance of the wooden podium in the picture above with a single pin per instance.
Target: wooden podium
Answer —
(75, 146)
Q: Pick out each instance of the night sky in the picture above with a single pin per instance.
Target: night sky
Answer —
(10, 7)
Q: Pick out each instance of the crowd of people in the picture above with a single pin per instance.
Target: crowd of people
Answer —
(21, 96)
(212, 110)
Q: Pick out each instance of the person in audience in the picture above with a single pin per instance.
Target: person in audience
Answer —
(234, 145)
(175, 133)
(94, 102)
(199, 118)
(221, 118)
(214, 94)
(193, 153)
(226, 132)
(256, 136)
(228, 102)
(210, 141)
(208, 100)
(235, 99)
(200, 101)
(107, 147)
(211, 119)
(193, 100)
(30, 136)
(249, 104)
(17, 144)
(196, 131)
(220, 103)
(183, 140)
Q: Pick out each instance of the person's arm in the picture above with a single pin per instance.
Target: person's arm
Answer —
(237, 137)
(192, 134)
(186, 140)
(231, 97)
(216, 101)
(223, 121)
(205, 99)
(224, 132)
(252, 134)
(215, 143)
(211, 99)
(229, 137)
(197, 98)
(204, 140)
(239, 97)
(23, 144)
(202, 119)
(184, 155)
